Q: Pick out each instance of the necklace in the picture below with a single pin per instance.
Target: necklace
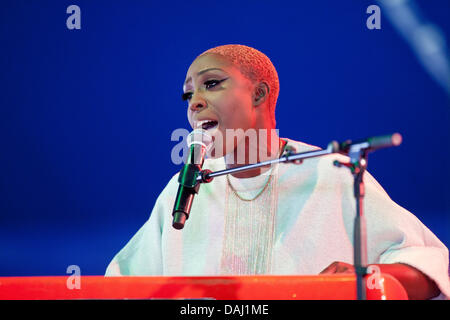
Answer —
(266, 184)
(249, 230)
(282, 146)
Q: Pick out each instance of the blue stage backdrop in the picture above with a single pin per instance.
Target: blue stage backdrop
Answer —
(87, 114)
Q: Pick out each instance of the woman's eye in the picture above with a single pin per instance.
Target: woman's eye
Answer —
(186, 96)
(211, 83)
(208, 85)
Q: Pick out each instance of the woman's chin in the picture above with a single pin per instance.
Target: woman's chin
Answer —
(213, 154)
(219, 151)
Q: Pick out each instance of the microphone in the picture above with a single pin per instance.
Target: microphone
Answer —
(370, 144)
(199, 142)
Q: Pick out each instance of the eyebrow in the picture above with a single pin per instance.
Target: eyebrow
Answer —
(202, 72)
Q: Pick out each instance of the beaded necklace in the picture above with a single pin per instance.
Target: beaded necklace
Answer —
(249, 227)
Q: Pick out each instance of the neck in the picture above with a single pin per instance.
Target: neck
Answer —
(268, 146)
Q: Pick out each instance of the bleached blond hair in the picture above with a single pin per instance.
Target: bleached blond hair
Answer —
(254, 65)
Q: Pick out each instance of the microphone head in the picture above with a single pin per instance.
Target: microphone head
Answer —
(396, 139)
(199, 142)
(200, 137)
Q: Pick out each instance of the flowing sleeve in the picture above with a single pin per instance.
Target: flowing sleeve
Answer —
(395, 235)
(142, 255)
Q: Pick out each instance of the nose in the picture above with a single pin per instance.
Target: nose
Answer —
(197, 103)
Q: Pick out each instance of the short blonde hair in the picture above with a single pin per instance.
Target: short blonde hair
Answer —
(254, 65)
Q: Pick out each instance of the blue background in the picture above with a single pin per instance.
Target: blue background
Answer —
(86, 115)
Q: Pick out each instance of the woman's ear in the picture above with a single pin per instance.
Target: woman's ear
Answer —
(260, 93)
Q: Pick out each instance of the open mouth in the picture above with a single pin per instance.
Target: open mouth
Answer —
(207, 124)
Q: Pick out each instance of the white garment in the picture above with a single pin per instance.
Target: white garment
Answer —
(313, 227)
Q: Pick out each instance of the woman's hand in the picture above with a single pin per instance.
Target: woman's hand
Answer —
(338, 267)
(417, 285)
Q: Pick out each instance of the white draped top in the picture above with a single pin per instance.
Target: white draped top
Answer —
(312, 226)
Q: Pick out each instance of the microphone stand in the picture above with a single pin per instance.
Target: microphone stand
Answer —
(207, 176)
(358, 154)
(357, 166)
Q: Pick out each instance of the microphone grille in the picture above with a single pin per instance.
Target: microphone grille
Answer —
(396, 139)
(199, 136)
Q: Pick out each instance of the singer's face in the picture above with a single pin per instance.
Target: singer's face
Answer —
(216, 90)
